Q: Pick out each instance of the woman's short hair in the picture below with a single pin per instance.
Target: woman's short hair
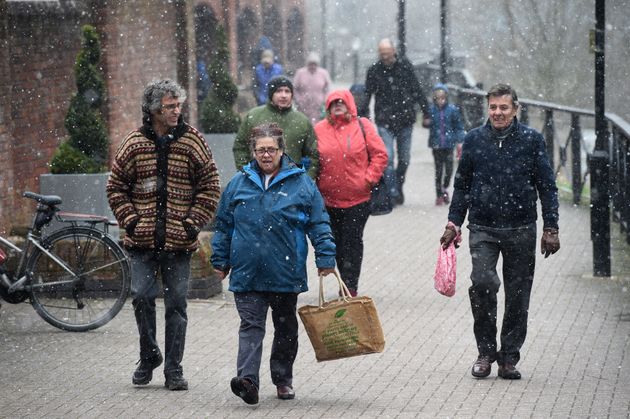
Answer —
(502, 89)
(156, 90)
(270, 129)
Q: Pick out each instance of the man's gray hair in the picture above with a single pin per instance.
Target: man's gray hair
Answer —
(156, 90)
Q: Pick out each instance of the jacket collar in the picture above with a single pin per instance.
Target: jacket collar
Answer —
(508, 132)
(276, 109)
(287, 168)
(175, 132)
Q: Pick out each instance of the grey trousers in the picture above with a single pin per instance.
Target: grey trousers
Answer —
(175, 271)
(252, 308)
(518, 249)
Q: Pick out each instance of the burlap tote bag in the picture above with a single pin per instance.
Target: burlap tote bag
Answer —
(344, 327)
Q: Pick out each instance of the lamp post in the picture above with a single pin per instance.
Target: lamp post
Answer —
(600, 159)
(402, 41)
(444, 44)
(356, 45)
(323, 34)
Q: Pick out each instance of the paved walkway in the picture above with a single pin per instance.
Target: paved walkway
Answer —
(575, 363)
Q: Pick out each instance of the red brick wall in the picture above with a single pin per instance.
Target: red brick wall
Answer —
(42, 47)
(6, 165)
(138, 41)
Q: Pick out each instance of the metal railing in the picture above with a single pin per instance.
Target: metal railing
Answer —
(472, 105)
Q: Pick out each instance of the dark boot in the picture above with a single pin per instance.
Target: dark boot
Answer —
(176, 381)
(144, 373)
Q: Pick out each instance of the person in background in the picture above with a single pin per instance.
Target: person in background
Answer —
(311, 84)
(352, 159)
(503, 171)
(265, 71)
(264, 216)
(299, 137)
(164, 187)
(446, 133)
(396, 90)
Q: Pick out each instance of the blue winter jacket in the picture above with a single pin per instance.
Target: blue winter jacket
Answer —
(499, 181)
(262, 76)
(261, 234)
(453, 126)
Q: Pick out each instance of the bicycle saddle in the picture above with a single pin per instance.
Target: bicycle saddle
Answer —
(49, 200)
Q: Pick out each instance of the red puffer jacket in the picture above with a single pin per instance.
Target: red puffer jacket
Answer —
(349, 162)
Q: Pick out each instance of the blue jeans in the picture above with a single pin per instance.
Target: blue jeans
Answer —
(252, 308)
(395, 174)
(518, 249)
(174, 268)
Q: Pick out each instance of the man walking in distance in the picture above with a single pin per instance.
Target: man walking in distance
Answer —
(397, 92)
(299, 137)
(164, 187)
(503, 171)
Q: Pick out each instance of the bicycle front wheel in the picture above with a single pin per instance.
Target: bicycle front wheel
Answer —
(83, 280)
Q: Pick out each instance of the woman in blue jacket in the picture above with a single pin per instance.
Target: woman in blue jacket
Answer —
(447, 131)
(264, 216)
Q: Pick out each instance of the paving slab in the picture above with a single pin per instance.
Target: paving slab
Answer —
(575, 362)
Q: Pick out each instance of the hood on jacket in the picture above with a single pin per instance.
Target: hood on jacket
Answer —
(346, 96)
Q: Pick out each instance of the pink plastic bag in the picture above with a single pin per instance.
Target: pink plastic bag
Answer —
(446, 270)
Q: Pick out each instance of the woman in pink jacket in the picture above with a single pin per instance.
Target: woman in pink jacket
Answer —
(352, 158)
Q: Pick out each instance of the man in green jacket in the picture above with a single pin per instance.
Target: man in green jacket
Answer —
(299, 137)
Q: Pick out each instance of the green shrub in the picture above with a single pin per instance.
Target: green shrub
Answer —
(217, 114)
(68, 159)
(88, 143)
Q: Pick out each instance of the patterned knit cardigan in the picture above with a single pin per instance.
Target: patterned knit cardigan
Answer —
(162, 194)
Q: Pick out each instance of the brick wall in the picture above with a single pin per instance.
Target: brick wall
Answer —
(6, 166)
(138, 46)
(140, 42)
(43, 41)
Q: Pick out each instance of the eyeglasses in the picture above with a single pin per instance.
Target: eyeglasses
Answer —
(269, 150)
(172, 106)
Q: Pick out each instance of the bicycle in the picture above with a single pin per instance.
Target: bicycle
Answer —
(77, 278)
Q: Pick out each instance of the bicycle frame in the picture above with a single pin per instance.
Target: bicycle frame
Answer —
(77, 278)
(18, 284)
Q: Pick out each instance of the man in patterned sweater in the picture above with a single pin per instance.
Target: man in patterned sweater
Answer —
(164, 187)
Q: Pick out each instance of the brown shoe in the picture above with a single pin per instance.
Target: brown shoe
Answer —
(509, 372)
(285, 392)
(482, 366)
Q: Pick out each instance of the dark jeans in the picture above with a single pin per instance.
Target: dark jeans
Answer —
(347, 226)
(252, 308)
(175, 270)
(443, 158)
(395, 177)
(518, 249)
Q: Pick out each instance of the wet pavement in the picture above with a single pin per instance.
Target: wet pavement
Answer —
(575, 362)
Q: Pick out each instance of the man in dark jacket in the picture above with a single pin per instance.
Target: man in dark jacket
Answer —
(397, 92)
(503, 170)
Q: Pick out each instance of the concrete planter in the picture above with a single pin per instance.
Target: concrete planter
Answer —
(81, 193)
(221, 147)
